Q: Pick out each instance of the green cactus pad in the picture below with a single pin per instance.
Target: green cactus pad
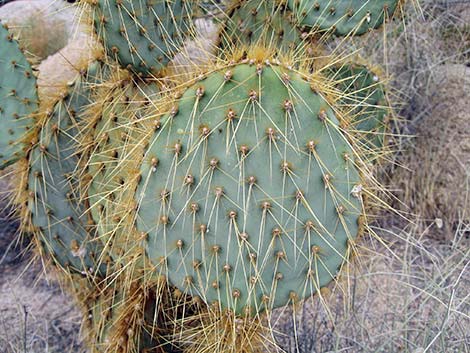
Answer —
(260, 23)
(18, 99)
(143, 35)
(364, 103)
(343, 17)
(246, 190)
(113, 163)
(57, 213)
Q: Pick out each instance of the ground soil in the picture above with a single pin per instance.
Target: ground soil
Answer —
(35, 315)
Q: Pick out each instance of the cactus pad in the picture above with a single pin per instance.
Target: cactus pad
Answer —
(260, 23)
(65, 230)
(112, 168)
(18, 99)
(245, 193)
(365, 103)
(343, 17)
(143, 35)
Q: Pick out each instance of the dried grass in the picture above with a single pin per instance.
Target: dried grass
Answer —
(418, 303)
(435, 180)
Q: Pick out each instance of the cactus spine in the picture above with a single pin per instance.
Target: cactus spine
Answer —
(191, 209)
(57, 212)
(142, 35)
(253, 181)
(343, 17)
(18, 99)
(266, 24)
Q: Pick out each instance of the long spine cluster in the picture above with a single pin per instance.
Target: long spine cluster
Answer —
(185, 208)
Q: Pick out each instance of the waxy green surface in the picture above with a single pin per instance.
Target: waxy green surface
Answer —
(245, 191)
(58, 211)
(364, 103)
(343, 17)
(143, 35)
(262, 23)
(18, 99)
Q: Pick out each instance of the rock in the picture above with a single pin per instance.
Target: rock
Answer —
(198, 52)
(42, 27)
(51, 35)
(61, 68)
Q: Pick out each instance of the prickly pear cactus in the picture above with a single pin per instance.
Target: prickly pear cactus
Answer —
(190, 216)
(259, 23)
(115, 319)
(343, 17)
(143, 35)
(365, 104)
(118, 122)
(248, 194)
(18, 99)
(57, 211)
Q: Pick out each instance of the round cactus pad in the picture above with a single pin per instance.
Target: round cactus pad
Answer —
(18, 99)
(245, 195)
